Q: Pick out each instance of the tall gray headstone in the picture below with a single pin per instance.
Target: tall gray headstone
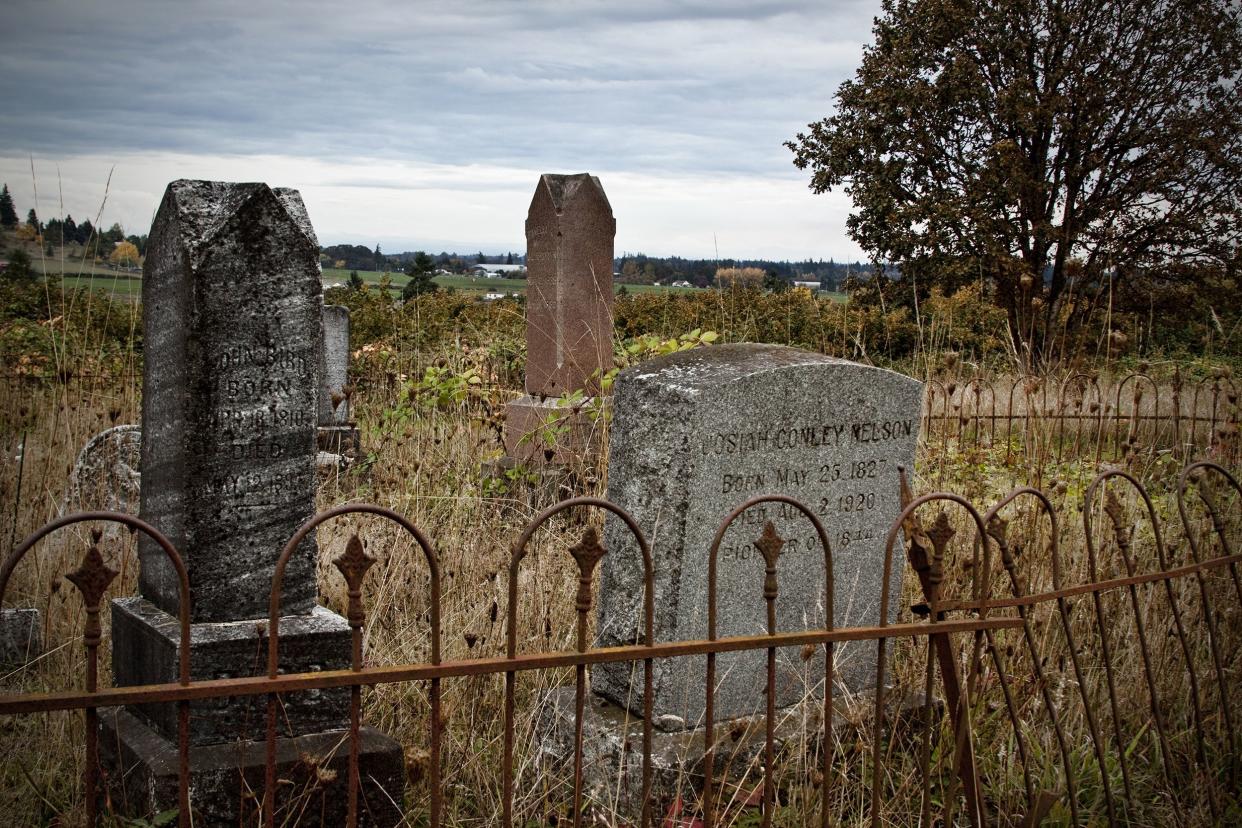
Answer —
(232, 306)
(231, 322)
(697, 433)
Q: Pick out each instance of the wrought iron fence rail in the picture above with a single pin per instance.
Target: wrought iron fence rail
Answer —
(960, 651)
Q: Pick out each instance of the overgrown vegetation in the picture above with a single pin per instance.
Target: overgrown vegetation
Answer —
(431, 379)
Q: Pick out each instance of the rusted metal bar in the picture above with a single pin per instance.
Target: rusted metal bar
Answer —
(1105, 585)
(587, 554)
(930, 575)
(92, 579)
(997, 530)
(1191, 472)
(396, 674)
(769, 546)
(356, 570)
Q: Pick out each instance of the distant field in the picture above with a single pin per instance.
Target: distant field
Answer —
(129, 284)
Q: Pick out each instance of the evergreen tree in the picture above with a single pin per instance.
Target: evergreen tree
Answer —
(420, 270)
(33, 219)
(8, 213)
(355, 281)
(19, 268)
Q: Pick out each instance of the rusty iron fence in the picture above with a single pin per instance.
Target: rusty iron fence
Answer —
(1083, 415)
(1104, 683)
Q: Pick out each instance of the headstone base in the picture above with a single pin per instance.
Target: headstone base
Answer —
(21, 635)
(145, 646)
(612, 747)
(226, 780)
(545, 431)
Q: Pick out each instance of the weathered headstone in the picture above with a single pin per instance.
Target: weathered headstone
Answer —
(697, 433)
(569, 247)
(337, 435)
(334, 399)
(107, 473)
(231, 320)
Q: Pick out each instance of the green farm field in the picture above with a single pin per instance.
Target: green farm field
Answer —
(123, 284)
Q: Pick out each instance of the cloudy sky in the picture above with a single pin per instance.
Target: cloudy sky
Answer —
(426, 125)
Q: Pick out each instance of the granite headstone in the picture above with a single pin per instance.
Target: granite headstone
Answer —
(232, 304)
(695, 434)
(231, 298)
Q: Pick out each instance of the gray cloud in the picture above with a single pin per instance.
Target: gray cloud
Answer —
(685, 87)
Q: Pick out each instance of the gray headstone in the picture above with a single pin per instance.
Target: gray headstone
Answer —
(231, 319)
(697, 433)
(333, 401)
(107, 472)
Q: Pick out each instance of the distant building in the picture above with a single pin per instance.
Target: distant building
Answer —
(495, 271)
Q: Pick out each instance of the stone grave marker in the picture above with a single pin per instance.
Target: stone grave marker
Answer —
(337, 434)
(695, 434)
(231, 320)
(334, 402)
(569, 247)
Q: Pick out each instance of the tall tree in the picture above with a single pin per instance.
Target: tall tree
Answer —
(8, 213)
(421, 269)
(1040, 146)
(32, 218)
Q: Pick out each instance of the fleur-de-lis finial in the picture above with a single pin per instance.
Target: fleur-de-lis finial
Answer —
(941, 533)
(587, 553)
(769, 546)
(92, 576)
(1115, 511)
(353, 563)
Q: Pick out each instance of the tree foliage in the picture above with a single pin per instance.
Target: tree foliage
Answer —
(1044, 148)
(421, 269)
(124, 254)
(8, 213)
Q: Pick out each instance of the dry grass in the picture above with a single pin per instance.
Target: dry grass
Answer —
(424, 462)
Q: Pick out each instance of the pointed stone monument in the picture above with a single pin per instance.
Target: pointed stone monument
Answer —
(231, 319)
(569, 253)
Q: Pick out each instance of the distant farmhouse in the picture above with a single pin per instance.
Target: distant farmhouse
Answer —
(499, 271)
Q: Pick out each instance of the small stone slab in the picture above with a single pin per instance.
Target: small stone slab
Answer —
(697, 433)
(21, 635)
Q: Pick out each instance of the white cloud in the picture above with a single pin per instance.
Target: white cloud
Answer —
(432, 121)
